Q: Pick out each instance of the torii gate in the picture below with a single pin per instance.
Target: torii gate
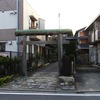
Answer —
(32, 32)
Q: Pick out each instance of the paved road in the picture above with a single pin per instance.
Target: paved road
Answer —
(88, 80)
(39, 96)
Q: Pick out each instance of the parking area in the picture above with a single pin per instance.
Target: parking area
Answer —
(88, 80)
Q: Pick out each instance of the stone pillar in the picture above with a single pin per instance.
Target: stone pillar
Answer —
(24, 61)
(60, 50)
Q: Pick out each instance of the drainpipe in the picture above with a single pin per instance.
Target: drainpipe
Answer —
(17, 38)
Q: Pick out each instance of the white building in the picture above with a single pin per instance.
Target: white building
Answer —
(16, 14)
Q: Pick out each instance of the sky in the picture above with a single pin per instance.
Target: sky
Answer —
(74, 14)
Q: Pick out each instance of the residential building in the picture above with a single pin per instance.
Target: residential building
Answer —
(94, 40)
(17, 15)
(82, 46)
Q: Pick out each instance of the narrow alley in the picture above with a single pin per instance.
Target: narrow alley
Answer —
(45, 79)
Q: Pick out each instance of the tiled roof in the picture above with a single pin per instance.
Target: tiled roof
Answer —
(6, 5)
(7, 34)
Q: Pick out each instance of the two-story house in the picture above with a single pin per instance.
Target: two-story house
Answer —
(82, 46)
(94, 40)
(14, 15)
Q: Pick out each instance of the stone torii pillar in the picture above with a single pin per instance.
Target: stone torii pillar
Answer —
(24, 61)
(60, 50)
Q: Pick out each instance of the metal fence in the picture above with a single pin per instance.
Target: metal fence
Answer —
(10, 63)
(10, 54)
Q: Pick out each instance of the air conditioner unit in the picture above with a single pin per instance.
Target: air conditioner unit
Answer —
(13, 13)
(10, 42)
(97, 34)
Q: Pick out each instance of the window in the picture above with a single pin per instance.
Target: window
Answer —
(2, 47)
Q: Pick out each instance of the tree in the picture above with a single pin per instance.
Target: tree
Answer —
(70, 49)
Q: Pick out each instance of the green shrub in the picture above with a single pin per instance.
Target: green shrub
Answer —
(4, 60)
(5, 79)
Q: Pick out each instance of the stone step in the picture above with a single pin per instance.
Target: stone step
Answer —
(88, 69)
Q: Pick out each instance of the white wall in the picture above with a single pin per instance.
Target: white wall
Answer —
(28, 10)
(8, 20)
(96, 34)
(11, 46)
(41, 25)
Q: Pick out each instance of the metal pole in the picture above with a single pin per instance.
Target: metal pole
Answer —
(11, 69)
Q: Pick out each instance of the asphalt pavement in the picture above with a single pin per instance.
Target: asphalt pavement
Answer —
(46, 96)
(88, 79)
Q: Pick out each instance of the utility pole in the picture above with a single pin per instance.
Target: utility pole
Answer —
(59, 19)
(60, 48)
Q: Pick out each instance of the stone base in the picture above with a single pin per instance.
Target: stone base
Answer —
(65, 80)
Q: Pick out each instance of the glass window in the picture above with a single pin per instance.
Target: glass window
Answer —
(2, 47)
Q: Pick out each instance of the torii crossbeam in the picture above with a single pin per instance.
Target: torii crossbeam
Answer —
(58, 32)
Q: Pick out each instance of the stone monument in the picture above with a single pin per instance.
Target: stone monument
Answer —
(66, 69)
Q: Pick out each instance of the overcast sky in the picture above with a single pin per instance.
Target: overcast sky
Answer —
(74, 14)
